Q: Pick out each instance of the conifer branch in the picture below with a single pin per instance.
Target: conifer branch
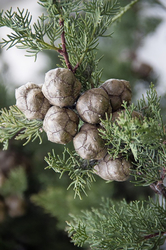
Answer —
(123, 10)
(120, 225)
(140, 140)
(16, 183)
(80, 171)
(23, 36)
(154, 235)
(13, 124)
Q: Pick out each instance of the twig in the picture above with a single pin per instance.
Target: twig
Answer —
(76, 67)
(153, 235)
(63, 51)
(159, 188)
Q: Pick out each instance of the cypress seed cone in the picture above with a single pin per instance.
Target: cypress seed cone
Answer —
(118, 91)
(93, 105)
(60, 124)
(88, 143)
(61, 87)
(113, 169)
(31, 101)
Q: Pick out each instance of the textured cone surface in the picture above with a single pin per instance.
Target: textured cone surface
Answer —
(88, 143)
(60, 124)
(93, 105)
(109, 169)
(118, 91)
(61, 87)
(31, 101)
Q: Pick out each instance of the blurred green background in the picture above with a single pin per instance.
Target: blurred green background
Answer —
(34, 203)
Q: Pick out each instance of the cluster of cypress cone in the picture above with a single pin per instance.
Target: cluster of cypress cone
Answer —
(59, 104)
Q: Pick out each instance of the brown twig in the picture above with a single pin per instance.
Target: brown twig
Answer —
(153, 235)
(76, 67)
(159, 188)
(63, 51)
(78, 64)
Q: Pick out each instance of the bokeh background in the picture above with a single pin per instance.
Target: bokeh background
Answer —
(34, 203)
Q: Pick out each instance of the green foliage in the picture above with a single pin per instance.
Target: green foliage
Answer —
(116, 225)
(3, 95)
(13, 123)
(141, 139)
(59, 208)
(151, 107)
(82, 22)
(16, 183)
(120, 225)
(23, 37)
(62, 7)
(82, 33)
(79, 170)
(58, 203)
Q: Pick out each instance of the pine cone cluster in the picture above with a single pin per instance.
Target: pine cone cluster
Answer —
(50, 102)
(53, 102)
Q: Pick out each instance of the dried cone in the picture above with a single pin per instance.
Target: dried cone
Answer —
(10, 159)
(109, 169)
(16, 206)
(61, 87)
(118, 91)
(93, 105)
(88, 143)
(60, 124)
(31, 101)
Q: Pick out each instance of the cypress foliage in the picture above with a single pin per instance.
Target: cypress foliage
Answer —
(79, 25)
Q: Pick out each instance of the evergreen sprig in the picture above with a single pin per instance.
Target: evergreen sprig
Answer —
(63, 7)
(23, 35)
(78, 23)
(104, 7)
(16, 183)
(80, 171)
(82, 34)
(13, 124)
(120, 225)
(149, 105)
(141, 140)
